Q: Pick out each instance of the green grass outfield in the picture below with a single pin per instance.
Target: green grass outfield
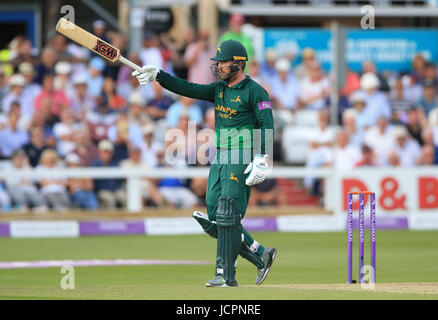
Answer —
(308, 266)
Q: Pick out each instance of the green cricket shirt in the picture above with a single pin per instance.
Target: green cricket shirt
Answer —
(238, 109)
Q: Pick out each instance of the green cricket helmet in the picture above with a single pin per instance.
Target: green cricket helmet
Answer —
(229, 50)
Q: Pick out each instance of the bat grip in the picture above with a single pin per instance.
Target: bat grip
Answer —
(130, 64)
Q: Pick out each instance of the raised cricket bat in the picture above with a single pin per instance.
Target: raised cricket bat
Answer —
(90, 41)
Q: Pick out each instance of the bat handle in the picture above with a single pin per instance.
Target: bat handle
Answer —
(130, 64)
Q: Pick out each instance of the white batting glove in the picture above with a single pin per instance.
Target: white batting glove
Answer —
(257, 169)
(148, 74)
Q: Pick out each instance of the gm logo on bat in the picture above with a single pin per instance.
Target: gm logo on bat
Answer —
(106, 50)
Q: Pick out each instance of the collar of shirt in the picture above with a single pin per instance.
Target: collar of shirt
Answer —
(241, 83)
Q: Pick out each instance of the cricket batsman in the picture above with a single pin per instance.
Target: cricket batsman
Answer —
(242, 108)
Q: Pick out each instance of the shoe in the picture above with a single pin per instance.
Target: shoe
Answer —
(219, 282)
(267, 257)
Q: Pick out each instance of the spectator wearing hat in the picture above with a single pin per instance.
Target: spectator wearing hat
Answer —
(47, 65)
(284, 86)
(150, 53)
(314, 88)
(31, 89)
(149, 146)
(36, 145)
(53, 189)
(17, 84)
(50, 99)
(96, 67)
(408, 149)
(349, 121)
(11, 136)
(308, 57)
(184, 103)
(81, 101)
(63, 81)
(148, 187)
(110, 192)
(377, 104)
(428, 100)
(23, 191)
(358, 111)
(368, 66)
(80, 189)
(136, 110)
(380, 138)
(234, 32)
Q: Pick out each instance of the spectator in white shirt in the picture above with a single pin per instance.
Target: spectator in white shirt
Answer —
(345, 154)
(16, 84)
(149, 147)
(377, 104)
(11, 136)
(315, 88)
(284, 86)
(62, 77)
(381, 138)
(150, 54)
(81, 101)
(349, 120)
(408, 149)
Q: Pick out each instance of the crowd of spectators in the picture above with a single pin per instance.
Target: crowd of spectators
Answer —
(66, 107)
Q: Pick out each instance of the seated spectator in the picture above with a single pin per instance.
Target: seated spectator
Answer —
(381, 139)
(368, 158)
(36, 146)
(136, 110)
(53, 189)
(377, 104)
(308, 58)
(430, 74)
(63, 82)
(284, 87)
(24, 52)
(115, 101)
(17, 84)
(81, 101)
(254, 73)
(85, 148)
(149, 146)
(65, 132)
(24, 121)
(31, 89)
(4, 88)
(415, 124)
(428, 100)
(369, 67)
(418, 68)
(11, 137)
(345, 154)
(132, 85)
(157, 107)
(150, 52)
(80, 189)
(428, 156)
(355, 118)
(95, 77)
(183, 104)
(100, 120)
(123, 131)
(394, 159)
(399, 102)
(320, 142)
(267, 193)
(110, 192)
(314, 89)
(56, 99)
(430, 140)
(24, 192)
(408, 149)
(172, 189)
(47, 65)
(149, 190)
(267, 68)
(197, 56)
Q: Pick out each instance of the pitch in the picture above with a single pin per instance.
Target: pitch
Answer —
(308, 266)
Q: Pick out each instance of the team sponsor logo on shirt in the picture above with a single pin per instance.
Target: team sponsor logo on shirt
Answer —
(225, 112)
(264, 105)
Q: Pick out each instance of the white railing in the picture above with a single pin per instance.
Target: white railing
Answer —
(134, 176)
